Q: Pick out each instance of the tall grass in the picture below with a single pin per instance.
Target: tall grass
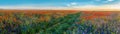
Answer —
(20, 23)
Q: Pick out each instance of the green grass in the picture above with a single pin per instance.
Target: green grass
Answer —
(68, 24)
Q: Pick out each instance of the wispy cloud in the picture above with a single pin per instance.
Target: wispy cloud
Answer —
(70, 6)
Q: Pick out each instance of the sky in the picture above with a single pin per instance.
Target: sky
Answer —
(58, 4)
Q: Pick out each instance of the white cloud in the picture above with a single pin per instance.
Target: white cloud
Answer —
(72, 6)
(73, 3)
(110, 0)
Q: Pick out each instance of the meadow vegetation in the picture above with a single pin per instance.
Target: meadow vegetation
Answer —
(57, 23)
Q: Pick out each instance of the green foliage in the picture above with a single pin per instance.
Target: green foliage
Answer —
(68, 24)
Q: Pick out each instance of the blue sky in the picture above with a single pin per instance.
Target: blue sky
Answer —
(57, 3)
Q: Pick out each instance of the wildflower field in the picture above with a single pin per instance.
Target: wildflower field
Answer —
(59, 22)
